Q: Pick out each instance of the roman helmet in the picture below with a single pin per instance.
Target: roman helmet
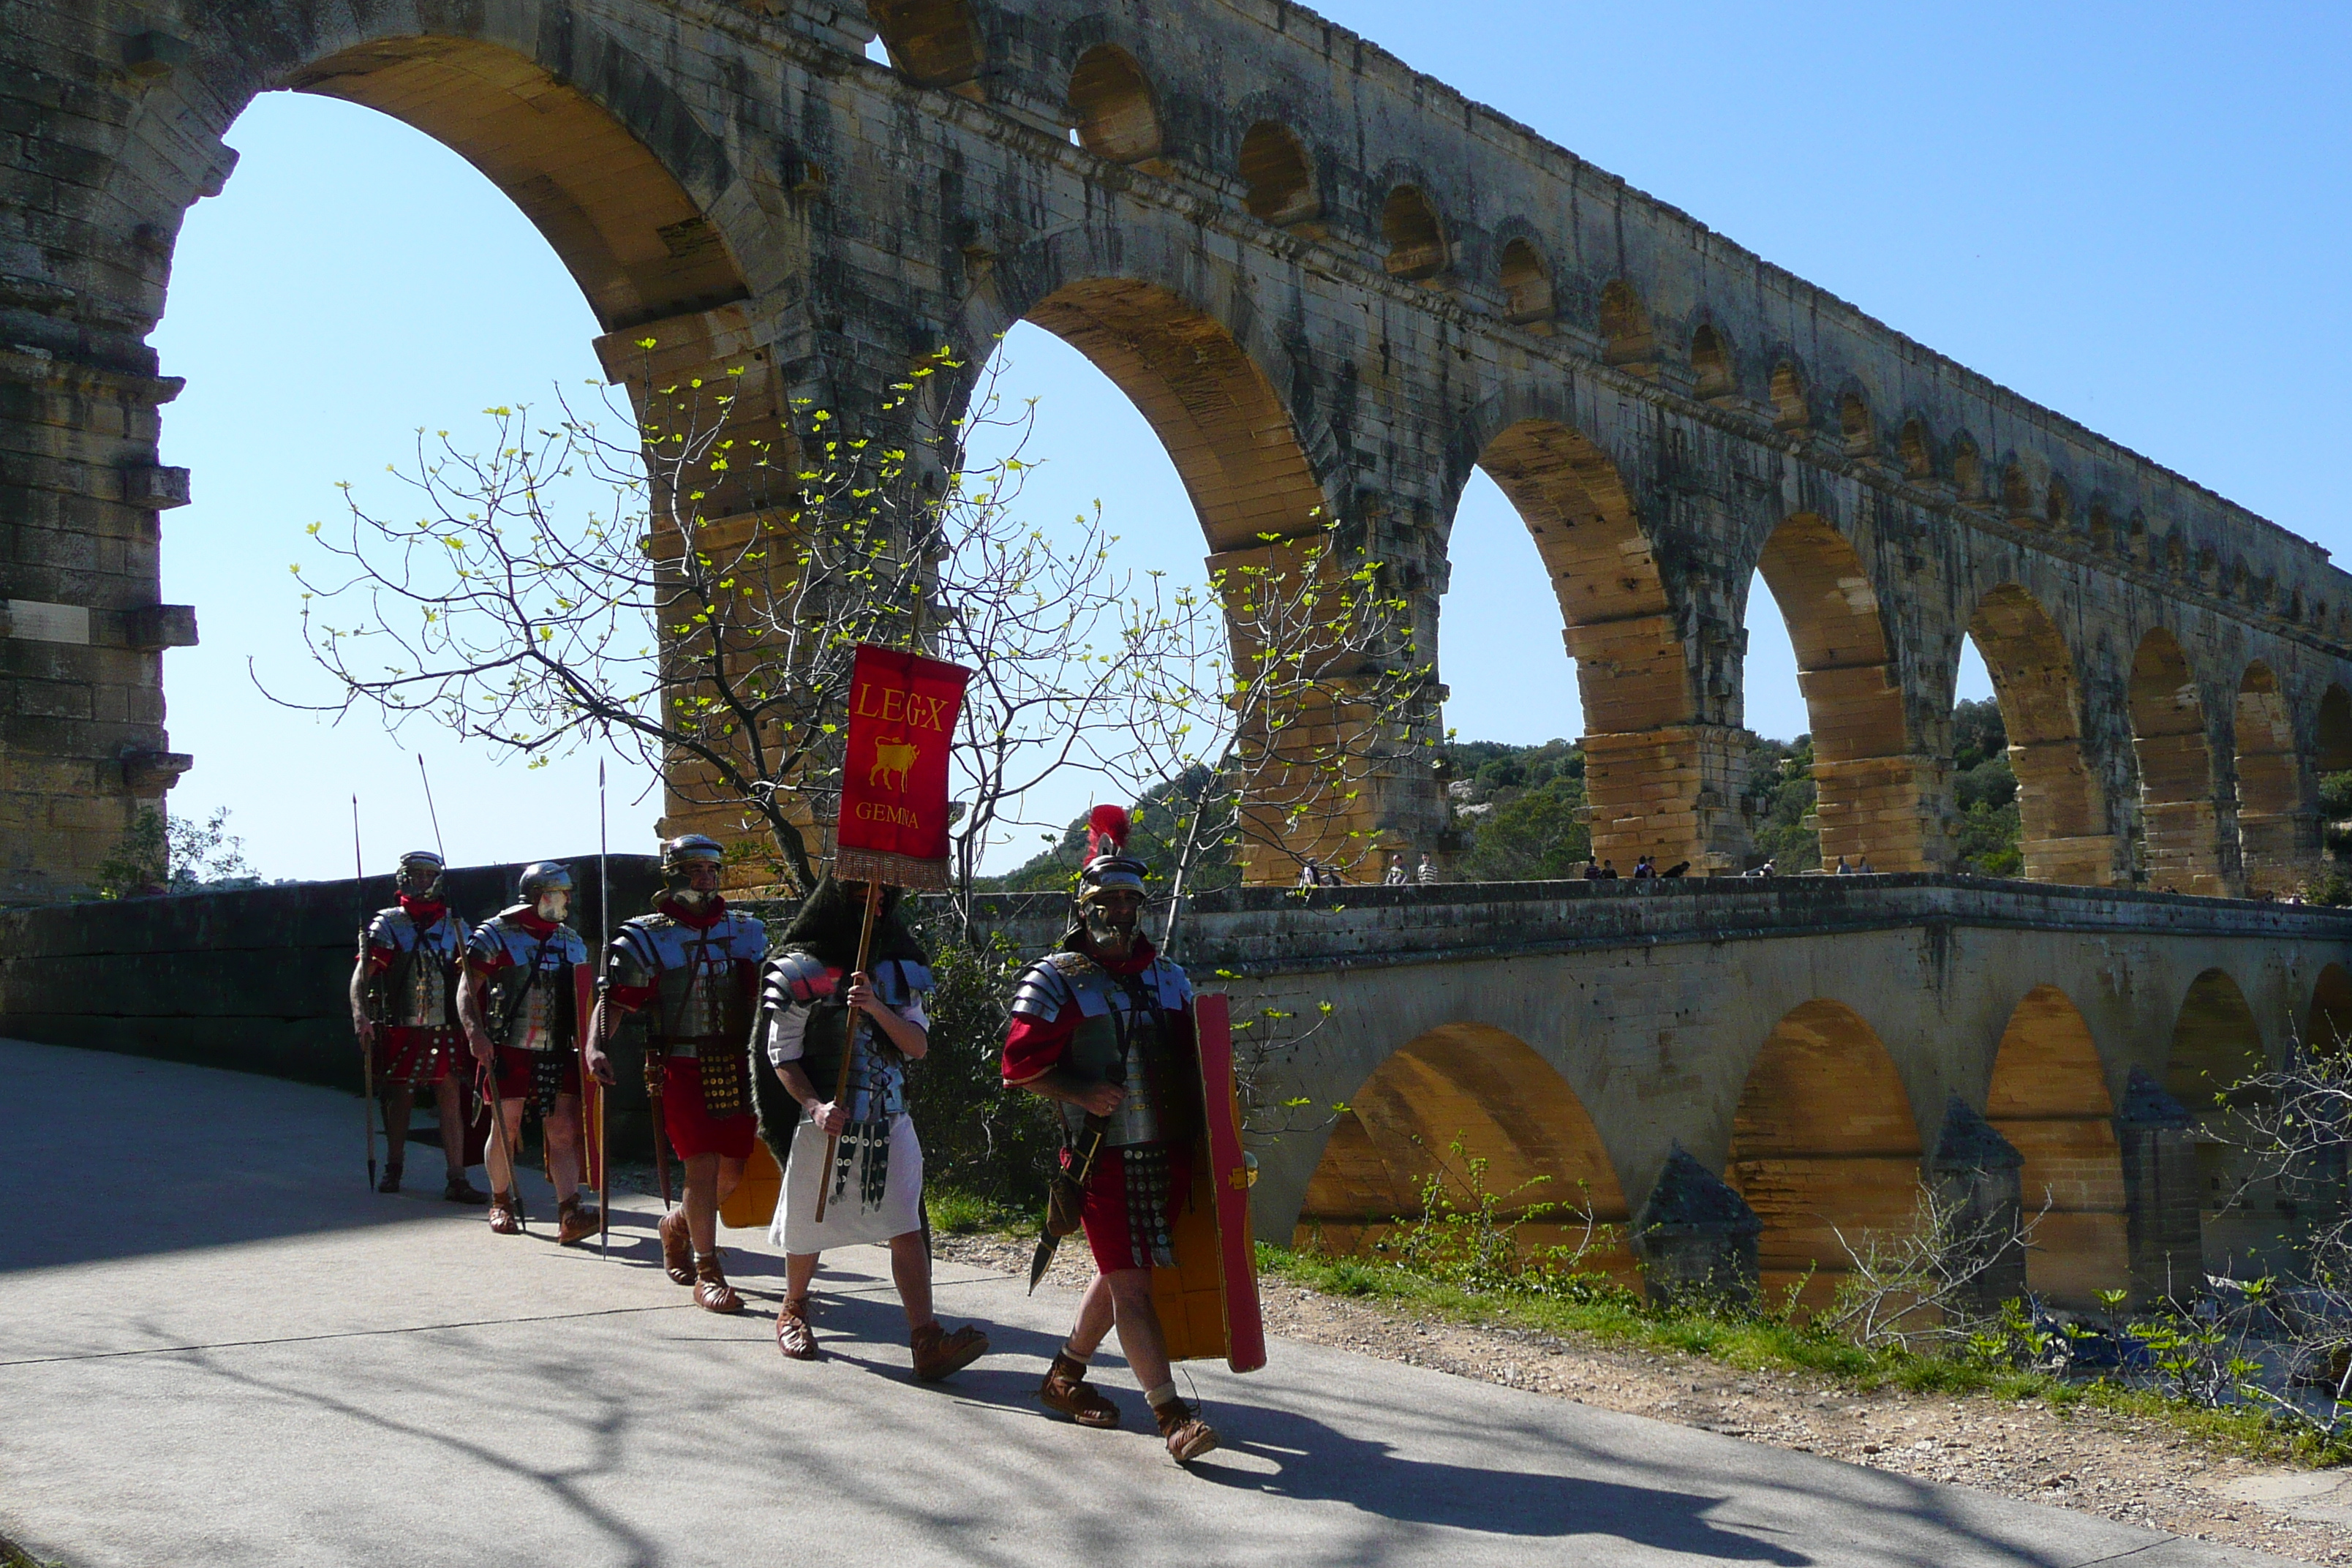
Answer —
(680, 855)
(1108, 869)
(540, 878)
(419, 876)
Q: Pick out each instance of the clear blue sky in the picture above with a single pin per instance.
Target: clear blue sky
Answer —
(2137, 215)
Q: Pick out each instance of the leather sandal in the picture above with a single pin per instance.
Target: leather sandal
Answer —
(574, 1222)
(1065, 1390)
(460, 1191)
(505, 1214)
(938, 1353)
(677, 1247)
(391, 1183)
(793, 1336)
(711, 1291)
(1187, 1435)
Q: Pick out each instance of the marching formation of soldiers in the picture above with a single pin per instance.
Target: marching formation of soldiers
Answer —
(807, 1049)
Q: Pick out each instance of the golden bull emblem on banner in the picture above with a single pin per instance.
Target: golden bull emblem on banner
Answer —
(891, 761)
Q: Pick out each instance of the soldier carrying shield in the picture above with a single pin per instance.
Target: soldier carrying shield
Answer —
(1104, 1026)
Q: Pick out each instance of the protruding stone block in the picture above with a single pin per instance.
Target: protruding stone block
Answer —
(2163, 1226)
(155, 488)
(154, 54)
(1976, 1177)
(1695, 1236)
(152, 772)
(154, 627)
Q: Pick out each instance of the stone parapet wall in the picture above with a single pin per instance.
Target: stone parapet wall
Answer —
(253, 979)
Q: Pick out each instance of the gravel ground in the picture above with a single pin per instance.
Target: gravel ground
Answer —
(2137, 1471)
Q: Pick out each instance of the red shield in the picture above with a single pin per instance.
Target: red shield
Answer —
(1208, 1303)
(592, 1093)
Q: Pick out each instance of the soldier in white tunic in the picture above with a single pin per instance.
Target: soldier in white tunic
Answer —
(814, 1010)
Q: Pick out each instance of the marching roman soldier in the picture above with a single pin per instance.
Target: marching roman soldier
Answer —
(687, 973)
(817, 1010)
(518, 1003)
(404, 1008)
(1104, 1026)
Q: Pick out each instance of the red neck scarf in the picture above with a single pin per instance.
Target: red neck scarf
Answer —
(424, 911)
(1140, 954)
(702, 919)
(527, 916)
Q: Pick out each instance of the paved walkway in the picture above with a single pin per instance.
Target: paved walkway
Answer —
(216, 1347)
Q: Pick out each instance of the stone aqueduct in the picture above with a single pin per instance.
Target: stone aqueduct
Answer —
(1335, 287)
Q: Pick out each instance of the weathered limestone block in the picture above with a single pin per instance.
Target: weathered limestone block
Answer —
(2161, 1192)
(1695, 1236)
(1975, 1176)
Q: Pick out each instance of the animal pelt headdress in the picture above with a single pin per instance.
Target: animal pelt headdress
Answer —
(831, 917)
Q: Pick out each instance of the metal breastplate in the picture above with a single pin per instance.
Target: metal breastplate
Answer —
(1126, 1043)
(695, 1007)
(878, 1074)
(538, 1017)
(421, 999)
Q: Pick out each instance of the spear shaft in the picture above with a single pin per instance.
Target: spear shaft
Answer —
(367, 1041)
(604, 1009)
(848, 1047)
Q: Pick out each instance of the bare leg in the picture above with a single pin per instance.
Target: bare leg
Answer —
(397, 1099)
(702, 1200)
(1095, 1317)
(1138, 1326)
(730, 1176)
(799, 1272)
(562, 1132)
(448, 1101)
(910, 1266)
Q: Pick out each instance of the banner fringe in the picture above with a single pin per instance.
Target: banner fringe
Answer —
(892, 870)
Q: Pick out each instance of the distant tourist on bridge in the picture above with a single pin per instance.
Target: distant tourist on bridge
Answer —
(1645, 869)
(1396, 877)
(1609, 872)
(1591, 869)
(1842, 869)
(1862, 868)
(1428, 872)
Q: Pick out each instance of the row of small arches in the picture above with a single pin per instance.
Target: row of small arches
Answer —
(1825, 1138)
(1115, 115)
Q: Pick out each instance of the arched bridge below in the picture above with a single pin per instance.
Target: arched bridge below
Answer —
(1802, 1037)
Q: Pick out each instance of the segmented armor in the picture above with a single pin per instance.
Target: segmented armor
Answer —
(876, 1092)
(1122, 1038)
(530, 982)
(701, 983)
(417, 989)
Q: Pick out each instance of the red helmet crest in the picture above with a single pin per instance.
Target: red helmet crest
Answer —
(1106, 830)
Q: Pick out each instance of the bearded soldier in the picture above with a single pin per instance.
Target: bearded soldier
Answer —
(516, 1002)
(817, 1010)
(690, 971)
(404, 1008)
(1104, 1026)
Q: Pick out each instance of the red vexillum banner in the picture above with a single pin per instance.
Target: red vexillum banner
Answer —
(893, 827)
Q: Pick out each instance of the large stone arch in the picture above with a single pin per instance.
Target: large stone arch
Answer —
(1878, 796)
(1823, 1145)
(2216, 1043)
(1505, 1104)
(1658, 776)
(2048, 1097)
(2328, 1022)
(2277, 830)
(2063, 832)
(2178, 823)
(1196, 365)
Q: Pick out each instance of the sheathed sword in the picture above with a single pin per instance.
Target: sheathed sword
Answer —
(1079, 1173)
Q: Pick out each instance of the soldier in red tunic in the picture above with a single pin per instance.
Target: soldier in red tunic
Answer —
(404, 1009)
(517, 1003)
(1104, 1026)
(687, 976)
